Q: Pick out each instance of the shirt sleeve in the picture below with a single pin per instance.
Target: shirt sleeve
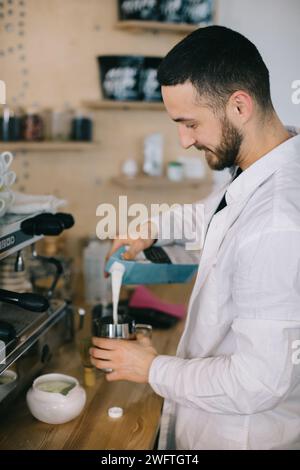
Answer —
(262, 370)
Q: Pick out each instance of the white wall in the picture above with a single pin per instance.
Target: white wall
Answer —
(274, 27)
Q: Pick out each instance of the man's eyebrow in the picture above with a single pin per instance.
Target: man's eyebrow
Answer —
(182, 119)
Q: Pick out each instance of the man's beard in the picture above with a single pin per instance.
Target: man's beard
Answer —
(226, 154)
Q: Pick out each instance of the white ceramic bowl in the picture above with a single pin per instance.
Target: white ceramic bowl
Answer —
(53, 407)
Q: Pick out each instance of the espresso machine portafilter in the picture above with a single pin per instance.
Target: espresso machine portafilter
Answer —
(26, 300)
(42, 224)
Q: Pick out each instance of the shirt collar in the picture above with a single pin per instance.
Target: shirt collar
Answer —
(260, 170)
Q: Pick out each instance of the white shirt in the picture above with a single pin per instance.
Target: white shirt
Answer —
(234, 383)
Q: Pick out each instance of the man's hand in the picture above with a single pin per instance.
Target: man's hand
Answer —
(136, 244)
(129, 359)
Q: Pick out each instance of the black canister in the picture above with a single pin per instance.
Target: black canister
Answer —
(82, 129)
(146, 10)
(149, 85)
(197, 11)
(10, 126)
(120, 77)
(171, 11)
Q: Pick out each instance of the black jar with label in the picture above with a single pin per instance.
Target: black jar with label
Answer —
(10, 125)
(197, 12)
(142, 10)
(120, 77)
(149, 85)
(82, 129)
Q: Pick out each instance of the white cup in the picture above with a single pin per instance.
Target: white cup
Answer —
(5, 160)
(130, 168)
(7, 179)
(6, 200)
(2, 207)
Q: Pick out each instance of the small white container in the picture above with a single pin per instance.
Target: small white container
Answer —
(193, 167)
(175, 171)
(54, 407)
(130, 168)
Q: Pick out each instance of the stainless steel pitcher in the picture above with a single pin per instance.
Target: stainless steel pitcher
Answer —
(126, 328)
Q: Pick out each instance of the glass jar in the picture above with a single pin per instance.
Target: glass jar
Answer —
(33, 125)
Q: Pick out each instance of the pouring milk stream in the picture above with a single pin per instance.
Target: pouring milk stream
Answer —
(117, 270)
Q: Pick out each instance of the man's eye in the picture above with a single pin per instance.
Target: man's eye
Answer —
(190, 126)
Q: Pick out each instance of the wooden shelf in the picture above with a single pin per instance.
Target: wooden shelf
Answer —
(136, 25)
(156, 182)
(125, 105)
(47, 146)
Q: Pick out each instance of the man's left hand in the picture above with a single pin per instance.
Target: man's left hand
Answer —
(129, 359)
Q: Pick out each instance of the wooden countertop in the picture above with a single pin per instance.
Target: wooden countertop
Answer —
(93, 429)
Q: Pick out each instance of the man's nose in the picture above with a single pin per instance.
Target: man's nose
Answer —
(186, 137)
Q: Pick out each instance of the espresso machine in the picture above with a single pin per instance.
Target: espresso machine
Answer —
(32, 325)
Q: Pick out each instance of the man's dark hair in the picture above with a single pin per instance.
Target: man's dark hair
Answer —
(218, 61)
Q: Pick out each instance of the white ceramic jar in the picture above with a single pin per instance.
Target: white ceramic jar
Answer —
(130, 168)
(175, 171)
(55, 407)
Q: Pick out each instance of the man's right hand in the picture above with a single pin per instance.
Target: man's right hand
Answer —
(135, 244)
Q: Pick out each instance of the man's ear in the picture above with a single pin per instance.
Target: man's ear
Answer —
(240, 107)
